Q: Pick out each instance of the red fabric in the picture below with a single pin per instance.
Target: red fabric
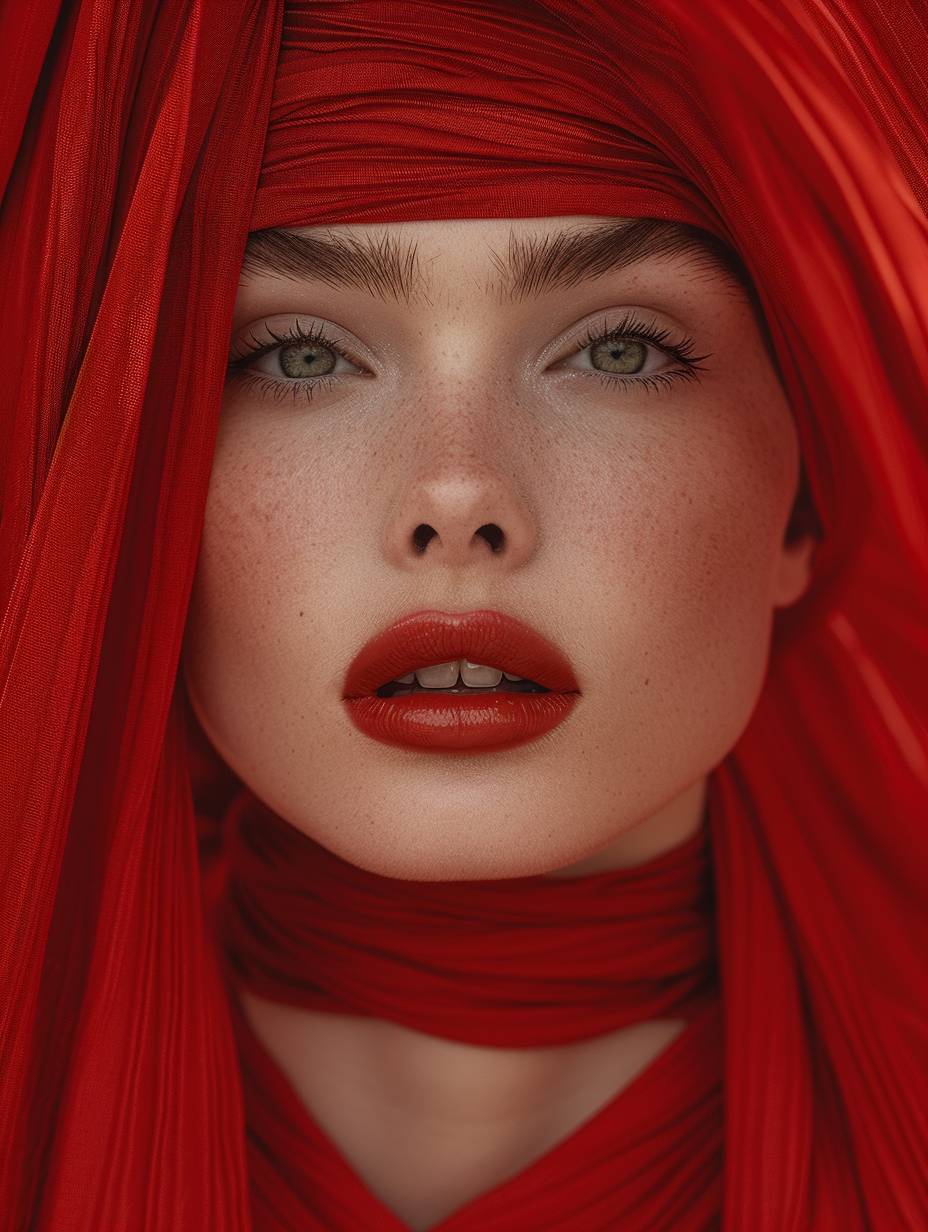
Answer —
(367, 123)
(134, 138)
(517, 962)
(608, 1173)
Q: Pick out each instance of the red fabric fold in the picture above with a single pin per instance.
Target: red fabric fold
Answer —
(650, 1157)
(518, 962)
(525, 961)
(142, 142)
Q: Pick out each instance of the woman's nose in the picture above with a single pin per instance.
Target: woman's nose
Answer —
(461, 517)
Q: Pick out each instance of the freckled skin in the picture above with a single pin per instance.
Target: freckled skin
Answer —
(643, 533)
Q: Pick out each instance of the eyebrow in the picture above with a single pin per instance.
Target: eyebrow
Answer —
(388, 268)
(383, 265)
(563, 259)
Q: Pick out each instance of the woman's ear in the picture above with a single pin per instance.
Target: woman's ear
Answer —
(803, 531)
(794, 570)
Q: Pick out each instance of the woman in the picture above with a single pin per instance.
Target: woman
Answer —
(644, 953)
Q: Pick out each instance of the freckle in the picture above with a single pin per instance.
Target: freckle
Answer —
(646, 679)
(301, 613)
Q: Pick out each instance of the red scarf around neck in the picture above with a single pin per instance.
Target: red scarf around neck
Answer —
(524, 961)
(514, 962)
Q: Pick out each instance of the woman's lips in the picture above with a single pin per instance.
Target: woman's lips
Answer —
(445, 721)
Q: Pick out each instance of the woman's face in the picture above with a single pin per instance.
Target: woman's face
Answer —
(640, 507)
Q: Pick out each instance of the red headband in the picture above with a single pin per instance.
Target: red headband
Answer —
(458, 110)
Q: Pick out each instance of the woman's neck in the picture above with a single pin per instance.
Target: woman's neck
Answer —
(660, 832)
(430, 1123)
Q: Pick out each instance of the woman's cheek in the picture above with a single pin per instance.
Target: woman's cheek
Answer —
(685, 575)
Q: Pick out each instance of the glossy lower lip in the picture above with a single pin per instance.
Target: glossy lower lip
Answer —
(459, 723)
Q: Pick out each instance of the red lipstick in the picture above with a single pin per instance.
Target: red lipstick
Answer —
(459, 722)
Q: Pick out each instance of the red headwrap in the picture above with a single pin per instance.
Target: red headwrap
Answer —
(138, 145)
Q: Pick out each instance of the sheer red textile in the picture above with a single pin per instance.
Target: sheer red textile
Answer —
(140, 142)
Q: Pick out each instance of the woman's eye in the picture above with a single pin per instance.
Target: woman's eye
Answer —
(622, 356)
(300, 361)
(635, 353)
(302, 358)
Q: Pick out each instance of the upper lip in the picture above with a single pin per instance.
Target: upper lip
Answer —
(489, 637)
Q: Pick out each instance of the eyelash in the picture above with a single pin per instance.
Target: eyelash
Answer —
(630, 326)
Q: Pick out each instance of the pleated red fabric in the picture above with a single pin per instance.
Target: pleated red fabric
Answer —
(517, 962)
(608, 1173)
(140, 143)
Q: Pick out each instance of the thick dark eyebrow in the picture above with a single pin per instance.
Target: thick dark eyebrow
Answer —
(384, 267)
(559, 260)
(387, 268)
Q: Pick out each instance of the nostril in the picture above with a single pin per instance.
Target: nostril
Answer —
(421, 536)
(493, 535)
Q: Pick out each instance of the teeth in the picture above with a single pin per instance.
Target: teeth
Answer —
(477, 674)
(445, 675)
(440, 676)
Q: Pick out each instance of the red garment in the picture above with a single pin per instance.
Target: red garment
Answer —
(133, 153)
(605, 1174)
(526, 961)
(522, 961)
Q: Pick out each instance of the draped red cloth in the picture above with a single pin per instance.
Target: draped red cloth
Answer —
(140, 143)
(517, 962)
(606, 1174)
